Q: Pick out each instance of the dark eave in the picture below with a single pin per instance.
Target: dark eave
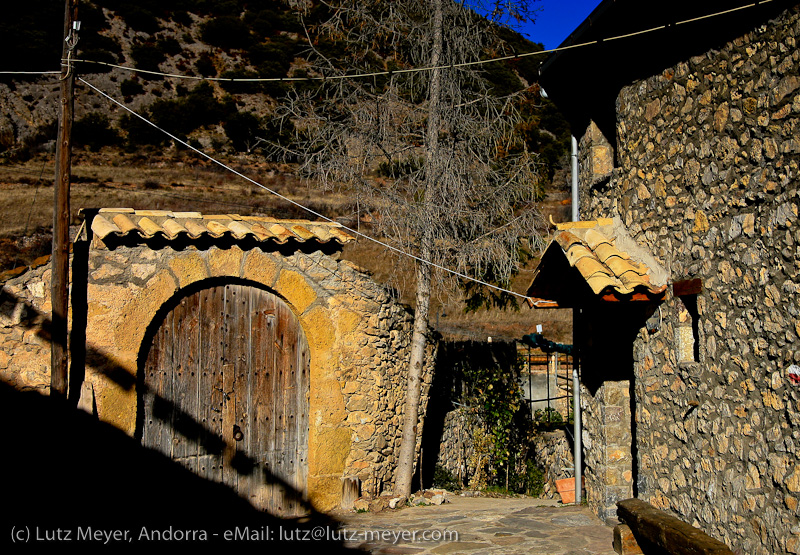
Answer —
(584, 82)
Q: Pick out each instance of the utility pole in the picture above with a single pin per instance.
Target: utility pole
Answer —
(59, 358)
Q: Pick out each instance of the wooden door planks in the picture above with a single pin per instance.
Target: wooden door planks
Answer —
(225, 359)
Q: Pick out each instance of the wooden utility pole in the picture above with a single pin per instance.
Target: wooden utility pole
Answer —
(59, 359)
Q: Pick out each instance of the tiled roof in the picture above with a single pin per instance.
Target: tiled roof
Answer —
(610, 271)
(126, 222)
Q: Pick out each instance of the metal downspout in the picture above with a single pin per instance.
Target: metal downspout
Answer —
(575, 208)
(576, 411)
(576, 392)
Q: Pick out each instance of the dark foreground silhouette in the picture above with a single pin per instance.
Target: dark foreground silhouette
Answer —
(70, 479)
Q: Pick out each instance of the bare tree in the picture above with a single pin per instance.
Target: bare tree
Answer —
(432, 155)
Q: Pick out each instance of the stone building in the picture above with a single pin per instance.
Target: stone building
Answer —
(689, 146)
(240, 346)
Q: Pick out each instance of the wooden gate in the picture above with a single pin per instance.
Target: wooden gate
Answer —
(226, 394)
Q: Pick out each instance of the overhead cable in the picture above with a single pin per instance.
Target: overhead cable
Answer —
(420, 69)
(303, 207)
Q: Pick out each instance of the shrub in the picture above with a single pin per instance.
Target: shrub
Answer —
(180, 116)
(246, 87)
(242, 129)
(138, 18)
(147, 56)
(443, 478)
(98, 56)
(130, 88)
(169, 46)
(94, 131)
(399, 168)
(205, 65)
(226, 32)
(140, 133)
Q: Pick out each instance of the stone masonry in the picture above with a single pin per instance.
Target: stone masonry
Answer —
(706, 177)
(359, 340)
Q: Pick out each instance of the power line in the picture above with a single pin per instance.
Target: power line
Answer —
(30, 72)
(301, 206)
(419, 69)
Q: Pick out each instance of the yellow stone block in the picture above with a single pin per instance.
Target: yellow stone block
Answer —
(260, 267)
(296, 289)
(328, 449)
(115, 405)
(138, 311)
(225, 262)
(347, 321)
(326, 400)
(325, 492)
(319, 331)
(188, 267)
(793, 482)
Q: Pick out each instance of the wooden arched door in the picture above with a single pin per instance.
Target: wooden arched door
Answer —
(225, 393)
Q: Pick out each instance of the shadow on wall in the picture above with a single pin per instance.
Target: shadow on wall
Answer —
(65, 469)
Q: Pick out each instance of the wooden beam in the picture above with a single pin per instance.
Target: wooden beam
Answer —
(653, 527)
(624, 541)
(61, 216)
(687, 287)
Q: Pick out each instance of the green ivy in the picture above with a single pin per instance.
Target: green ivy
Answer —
(486, 381)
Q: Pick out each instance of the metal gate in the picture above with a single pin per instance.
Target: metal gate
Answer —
(226, 394)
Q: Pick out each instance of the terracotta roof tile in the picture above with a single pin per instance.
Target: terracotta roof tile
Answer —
(126, 222)
(591, 248)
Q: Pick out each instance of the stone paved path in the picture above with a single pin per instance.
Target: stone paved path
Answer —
(483, 525)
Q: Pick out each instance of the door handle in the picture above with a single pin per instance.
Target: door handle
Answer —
(238, 434)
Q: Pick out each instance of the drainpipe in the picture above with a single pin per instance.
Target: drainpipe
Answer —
(576, 411)
(575, 211)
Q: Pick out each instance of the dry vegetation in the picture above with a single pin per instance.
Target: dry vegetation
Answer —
(181, 181)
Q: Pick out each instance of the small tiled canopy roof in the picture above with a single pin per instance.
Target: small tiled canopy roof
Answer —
(588, 254)
(146, 224)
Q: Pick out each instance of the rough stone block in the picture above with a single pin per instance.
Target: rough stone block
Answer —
(188, 267)
(296, 289)
(327, 451)
(624, 542)
(260, 267)
(225, 262)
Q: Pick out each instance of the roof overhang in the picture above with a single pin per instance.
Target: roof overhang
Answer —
(584, 82)
(596, 261)
(113, 226)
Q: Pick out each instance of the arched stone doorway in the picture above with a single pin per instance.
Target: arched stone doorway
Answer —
(225, 392)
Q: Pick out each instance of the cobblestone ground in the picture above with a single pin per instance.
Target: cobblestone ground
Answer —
(480, 525)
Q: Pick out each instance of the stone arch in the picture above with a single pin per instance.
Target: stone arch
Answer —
(121, 313)
(169, 305)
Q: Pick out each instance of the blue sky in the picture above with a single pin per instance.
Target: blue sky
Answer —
(556, 19)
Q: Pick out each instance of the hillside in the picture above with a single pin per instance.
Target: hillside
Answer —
(120, 161)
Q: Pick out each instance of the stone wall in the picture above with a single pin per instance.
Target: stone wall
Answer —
(553, 453)
(457, 447)
(707, 179)
(24, 314)
(359, 341)
(606, 443)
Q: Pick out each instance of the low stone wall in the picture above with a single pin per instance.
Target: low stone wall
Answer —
(553, 453)
(24, 344)
(359, 340)
(457, 447)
